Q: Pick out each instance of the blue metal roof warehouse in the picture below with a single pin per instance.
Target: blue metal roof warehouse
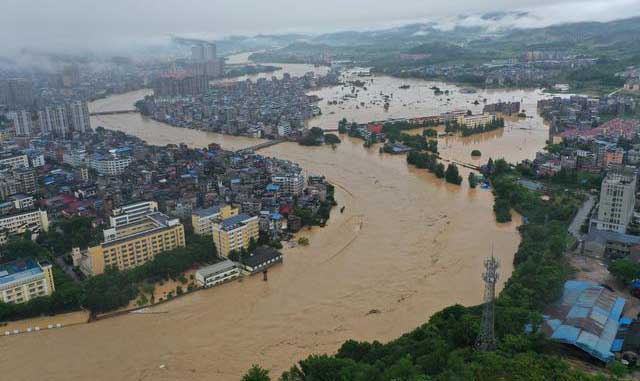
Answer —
(586, 316)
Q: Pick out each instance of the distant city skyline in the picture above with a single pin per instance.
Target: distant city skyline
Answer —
(79, 26)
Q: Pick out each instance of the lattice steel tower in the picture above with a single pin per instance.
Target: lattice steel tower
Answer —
(486, 339)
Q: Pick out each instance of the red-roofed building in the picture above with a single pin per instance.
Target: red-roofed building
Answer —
(286, 209)
(375, 128)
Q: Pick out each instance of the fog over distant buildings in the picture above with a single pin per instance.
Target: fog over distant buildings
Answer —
(119, 25)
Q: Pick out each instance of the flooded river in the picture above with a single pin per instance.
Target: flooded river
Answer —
(406, 246)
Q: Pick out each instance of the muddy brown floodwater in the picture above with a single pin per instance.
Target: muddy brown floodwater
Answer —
(407, 244)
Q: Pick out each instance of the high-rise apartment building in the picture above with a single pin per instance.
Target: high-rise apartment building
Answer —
(17, 92)
(54, 120)
(179, 83)
(71, 75)
(78, 116)
(205, 61)
(617, 200)
(21, 121)
(61, 120)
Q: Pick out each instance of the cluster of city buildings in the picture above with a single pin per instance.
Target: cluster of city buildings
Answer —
(62, 83)
(592, 149)
(264, 108)
(374, 130)
(533, 68)
(504, 108)
(611, 149)
(61, 120)
(143, 198)
(25, 279)
(581, 112)
(631, 77)
(193, 77)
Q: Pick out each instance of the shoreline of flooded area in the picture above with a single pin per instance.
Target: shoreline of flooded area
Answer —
(407, 245)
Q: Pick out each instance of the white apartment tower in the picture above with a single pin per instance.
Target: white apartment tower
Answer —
(53, 119)
(78, 114)
(617, 200)
(22, 121)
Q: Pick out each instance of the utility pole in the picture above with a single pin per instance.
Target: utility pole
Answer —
(486, 339)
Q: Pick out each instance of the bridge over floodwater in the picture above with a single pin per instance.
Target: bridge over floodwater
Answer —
(113, 112)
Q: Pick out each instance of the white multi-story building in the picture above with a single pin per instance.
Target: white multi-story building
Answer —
(21, 201)
(14, 161)
(617, 200)
(110, 165)
(284, 129)
(74, 157)
(216, 274)
(291, 183)
(54, 120)
(22, 122)
(36, 158)
(132, 213)
(35, 221)
(474, 121)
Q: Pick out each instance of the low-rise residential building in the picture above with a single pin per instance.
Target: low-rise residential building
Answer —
(613, 156)
(25, 279)
(474, 121)
(134, 244)
(632, 86)
(234, 233)
(202, 220)
(22, 202)
(291, 183)
(132, 213)
(35, 222)
(217, 274)
(14, 160)
(36, 158)
(74, 157)
(110, 165)
(261, 259)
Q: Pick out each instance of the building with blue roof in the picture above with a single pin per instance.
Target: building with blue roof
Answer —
(202, 220)
(25, 279)
(273, 188)
(587, 316)
(235, 233)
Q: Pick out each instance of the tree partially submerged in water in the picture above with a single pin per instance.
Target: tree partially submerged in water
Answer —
(452, 176)
(256, 373)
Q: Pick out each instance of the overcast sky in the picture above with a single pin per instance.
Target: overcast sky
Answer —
(106, 25)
